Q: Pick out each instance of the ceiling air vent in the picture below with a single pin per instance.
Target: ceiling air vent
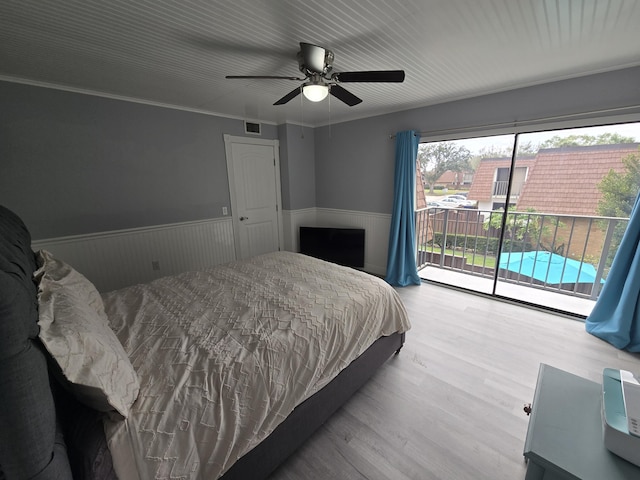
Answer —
(252, 128)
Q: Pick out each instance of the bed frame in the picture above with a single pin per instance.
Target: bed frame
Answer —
(47, 434)
(313, 412)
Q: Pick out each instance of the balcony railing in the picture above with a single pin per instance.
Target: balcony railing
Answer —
(567, 254)
(500, 188)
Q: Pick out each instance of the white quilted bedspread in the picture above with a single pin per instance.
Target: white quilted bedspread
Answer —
(224, 355)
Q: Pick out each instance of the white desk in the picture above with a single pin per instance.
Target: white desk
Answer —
(564, 439)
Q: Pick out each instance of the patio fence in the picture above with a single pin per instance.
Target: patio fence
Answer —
(578, 250)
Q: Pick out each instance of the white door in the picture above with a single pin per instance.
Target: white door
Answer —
(253, 166)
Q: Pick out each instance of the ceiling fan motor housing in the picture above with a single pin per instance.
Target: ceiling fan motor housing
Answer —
(314, 60)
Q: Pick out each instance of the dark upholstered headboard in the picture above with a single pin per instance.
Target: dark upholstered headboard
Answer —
(31, 445)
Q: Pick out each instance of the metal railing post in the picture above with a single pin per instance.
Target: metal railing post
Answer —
(443, 247)
(595, 291)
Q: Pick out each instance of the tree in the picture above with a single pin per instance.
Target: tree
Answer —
(437, 158)
(524, 148)
(619, 192)
(586, 140)
(527, 230)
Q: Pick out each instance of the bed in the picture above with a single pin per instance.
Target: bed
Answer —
(220, 373)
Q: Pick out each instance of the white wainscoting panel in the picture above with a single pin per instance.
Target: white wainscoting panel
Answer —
(292, 220)
(116, 259)
(376, 226)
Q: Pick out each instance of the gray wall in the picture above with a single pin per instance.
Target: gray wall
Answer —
(297, 166)
(354, 160)
(73, 163)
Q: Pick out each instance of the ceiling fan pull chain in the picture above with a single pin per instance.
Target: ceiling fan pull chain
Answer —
(329, 116)
(301, 116)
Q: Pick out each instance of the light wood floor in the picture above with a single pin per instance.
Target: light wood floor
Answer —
(450, 406)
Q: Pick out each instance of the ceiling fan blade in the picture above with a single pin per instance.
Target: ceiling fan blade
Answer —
(277, 77)
(344, 95)
(313, 57)
(289, 96)
(370, 76)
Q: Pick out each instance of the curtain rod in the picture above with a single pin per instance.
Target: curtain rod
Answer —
(523, 123)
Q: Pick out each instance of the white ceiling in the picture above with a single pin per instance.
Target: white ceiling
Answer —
(178, 52)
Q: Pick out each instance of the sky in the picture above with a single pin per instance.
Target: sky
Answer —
(475, 145)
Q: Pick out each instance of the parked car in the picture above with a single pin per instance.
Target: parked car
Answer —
(462, 200)
(448, 202)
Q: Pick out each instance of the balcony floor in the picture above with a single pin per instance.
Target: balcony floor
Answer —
(544, 298)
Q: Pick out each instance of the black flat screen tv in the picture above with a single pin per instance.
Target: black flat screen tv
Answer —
(344, 246)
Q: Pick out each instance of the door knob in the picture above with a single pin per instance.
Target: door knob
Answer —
(244, 218)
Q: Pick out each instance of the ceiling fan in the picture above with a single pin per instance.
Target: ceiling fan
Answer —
(316, 63)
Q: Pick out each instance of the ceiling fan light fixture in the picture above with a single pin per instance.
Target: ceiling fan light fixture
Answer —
(315, 92)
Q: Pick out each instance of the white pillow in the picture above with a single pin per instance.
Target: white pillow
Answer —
(75, 330)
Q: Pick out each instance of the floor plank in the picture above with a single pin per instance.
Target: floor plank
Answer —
(450, 406)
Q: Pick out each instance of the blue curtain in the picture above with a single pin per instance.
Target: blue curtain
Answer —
(616, 314)
(401, 259)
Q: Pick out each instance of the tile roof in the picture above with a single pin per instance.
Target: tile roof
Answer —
(482, 187)
(565, 180)
(450, 177)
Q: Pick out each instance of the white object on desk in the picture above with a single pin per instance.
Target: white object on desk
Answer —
(620, 401)
(631, 395)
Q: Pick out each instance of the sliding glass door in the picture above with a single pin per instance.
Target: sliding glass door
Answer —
(534, 217)
(455, 244)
